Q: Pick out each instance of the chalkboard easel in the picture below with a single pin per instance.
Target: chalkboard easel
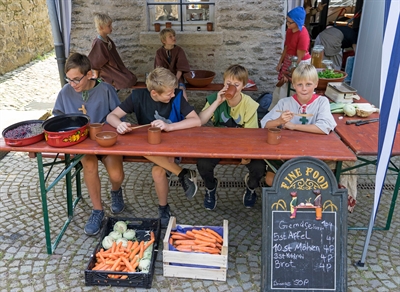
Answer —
(304, 229)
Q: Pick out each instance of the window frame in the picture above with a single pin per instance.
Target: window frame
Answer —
(183, 23)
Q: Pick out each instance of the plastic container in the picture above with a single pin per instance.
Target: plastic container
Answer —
(317, 56)
(142, 226)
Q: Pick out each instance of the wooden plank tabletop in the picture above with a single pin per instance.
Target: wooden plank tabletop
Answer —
(209, 142)
(363, 140)
(210, 87)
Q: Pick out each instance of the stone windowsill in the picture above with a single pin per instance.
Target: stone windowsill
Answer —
(192, 38)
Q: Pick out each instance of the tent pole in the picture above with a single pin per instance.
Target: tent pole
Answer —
(58, 42)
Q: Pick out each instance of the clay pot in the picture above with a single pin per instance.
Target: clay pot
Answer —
(168, 24)
(209, 26)
(230, 92)
(94, 129)
(157, 27)
(274, 136)
(154, 135)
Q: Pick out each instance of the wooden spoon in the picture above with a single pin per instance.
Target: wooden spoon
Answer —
(301, 115)
(141, 126)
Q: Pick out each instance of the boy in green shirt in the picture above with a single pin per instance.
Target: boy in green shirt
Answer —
(240, 111)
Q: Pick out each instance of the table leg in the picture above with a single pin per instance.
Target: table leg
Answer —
(394, 198)
(43, 193)
(69, 165)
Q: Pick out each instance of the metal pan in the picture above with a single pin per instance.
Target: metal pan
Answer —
(20, 134)
(66, 130)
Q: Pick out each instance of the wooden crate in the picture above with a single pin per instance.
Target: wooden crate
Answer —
(170, 257)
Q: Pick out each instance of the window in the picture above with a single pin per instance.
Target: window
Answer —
(184, 15)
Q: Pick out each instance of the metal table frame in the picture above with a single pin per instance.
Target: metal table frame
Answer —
(393, 168)
(70, 164)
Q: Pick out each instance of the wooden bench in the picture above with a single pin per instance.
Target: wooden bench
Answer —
(185, 160)
(209, 87)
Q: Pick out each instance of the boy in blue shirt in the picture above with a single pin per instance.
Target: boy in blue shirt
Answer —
(162, 105)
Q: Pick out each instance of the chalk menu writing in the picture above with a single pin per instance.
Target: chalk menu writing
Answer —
(303, 251)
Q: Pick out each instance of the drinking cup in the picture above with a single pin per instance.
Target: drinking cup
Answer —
(274, 136)
(154, 135)
(157, 27)
(230, 92)
(94, 129)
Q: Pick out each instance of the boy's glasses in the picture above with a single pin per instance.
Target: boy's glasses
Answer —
(76, 82)
(289, 22)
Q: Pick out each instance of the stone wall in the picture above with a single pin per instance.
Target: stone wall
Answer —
(26, 32)
(245, 32)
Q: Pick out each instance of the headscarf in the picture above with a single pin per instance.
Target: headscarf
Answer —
(298, 15)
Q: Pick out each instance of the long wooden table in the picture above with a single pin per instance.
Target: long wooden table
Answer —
(363, 141)
(195, 142)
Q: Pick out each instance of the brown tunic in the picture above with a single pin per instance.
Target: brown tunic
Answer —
(177, 63)
(108, 61)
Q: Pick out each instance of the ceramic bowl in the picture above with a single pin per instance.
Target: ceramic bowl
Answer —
(199, 78)
(106, 138)
(323, 82)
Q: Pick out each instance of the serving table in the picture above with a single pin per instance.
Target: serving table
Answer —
(363, 141)
(196, 142)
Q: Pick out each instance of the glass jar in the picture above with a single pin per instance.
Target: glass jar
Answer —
(328, 64)
(317, 56)
(293, 65)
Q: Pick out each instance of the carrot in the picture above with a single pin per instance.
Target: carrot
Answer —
(115, 265)
(135, 265)
(206, 249)
(204, 238)
(150, 242)
(129, 246)
(135, 245)
(152, 236)
(201, 232)
(141, 249)
(124, 277)
(190, 233)
(184, 242)
(113, 247)
(118, 248)
(184, 248)
(134, 252)
(219, 237)
(202, 243)
(179, 236)
(100, 266)
(128, 265)
(171, 241)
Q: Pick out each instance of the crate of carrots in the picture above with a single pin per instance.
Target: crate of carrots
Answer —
(126, 253)
(196, 252)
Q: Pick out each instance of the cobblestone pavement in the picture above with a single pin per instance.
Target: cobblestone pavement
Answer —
(25, 265)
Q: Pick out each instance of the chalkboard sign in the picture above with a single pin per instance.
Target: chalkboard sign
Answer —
(304, 229)
(306, 245)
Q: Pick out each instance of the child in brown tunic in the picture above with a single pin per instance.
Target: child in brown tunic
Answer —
(104, 57)
(172, 57)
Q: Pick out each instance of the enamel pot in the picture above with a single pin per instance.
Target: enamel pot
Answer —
(19, 134)
(66, 130)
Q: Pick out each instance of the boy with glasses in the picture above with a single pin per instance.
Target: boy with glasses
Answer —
(97, 99)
